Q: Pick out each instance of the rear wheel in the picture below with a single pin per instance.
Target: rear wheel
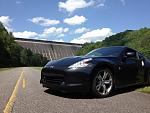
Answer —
(102, 84)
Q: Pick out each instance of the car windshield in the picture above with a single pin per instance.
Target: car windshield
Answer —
(106, 52)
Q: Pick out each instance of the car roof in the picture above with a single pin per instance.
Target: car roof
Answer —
(113, 47)
(121, 47)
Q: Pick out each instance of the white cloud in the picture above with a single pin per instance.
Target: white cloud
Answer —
(55, 32)
(25, 34)
(72, 5)
(93, 36)
(81, 30)
(61, 35)
(6, 20)
(123, 2)
(18, 2)
(58, 40)
(75, 20)
(44, 39)
(99, 3)
(36, 38)
(44, 21)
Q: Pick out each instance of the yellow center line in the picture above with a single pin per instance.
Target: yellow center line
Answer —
(23, 83)
(9, 105)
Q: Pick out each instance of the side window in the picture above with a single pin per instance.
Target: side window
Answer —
(140, 56)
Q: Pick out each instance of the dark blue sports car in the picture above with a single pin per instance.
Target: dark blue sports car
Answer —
(100, 71)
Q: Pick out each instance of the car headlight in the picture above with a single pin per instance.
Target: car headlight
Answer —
(82, 63)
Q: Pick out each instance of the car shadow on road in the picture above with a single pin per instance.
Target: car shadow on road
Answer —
(88, 95)
(70, 95)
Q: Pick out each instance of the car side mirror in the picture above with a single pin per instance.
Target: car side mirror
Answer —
(130, 54)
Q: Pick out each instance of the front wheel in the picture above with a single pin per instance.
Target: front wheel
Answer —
(102, 84)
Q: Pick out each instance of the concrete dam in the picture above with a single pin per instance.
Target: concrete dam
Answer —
(49, 49)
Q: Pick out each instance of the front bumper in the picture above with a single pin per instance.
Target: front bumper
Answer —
(66, 79)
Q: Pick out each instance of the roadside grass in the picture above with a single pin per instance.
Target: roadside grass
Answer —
(144, 89)
(3, 69)
(38, 68)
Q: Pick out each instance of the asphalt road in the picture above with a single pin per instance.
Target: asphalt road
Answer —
(31, 97)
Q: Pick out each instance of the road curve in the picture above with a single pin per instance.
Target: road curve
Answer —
(31, 97)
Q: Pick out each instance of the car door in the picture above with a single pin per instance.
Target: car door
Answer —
(141, 69)
(128, 68)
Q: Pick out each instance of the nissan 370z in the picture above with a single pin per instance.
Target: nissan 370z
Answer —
(101, 71)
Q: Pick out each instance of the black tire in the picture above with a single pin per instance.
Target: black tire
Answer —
(102, 84)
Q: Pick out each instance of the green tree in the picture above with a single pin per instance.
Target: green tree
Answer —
(12, 54)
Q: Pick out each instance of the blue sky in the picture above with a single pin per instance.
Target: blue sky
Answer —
(76, 21)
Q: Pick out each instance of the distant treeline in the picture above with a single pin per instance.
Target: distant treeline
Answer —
(12, 54)
(137, 39)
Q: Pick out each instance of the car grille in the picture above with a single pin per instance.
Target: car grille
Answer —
(54, 78)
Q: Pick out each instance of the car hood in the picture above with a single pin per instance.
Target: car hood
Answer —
(65, 62)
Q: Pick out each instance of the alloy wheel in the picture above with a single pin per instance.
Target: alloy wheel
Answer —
(103, 82)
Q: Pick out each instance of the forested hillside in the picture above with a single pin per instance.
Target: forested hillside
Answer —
(12, 54)
(137, 39)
